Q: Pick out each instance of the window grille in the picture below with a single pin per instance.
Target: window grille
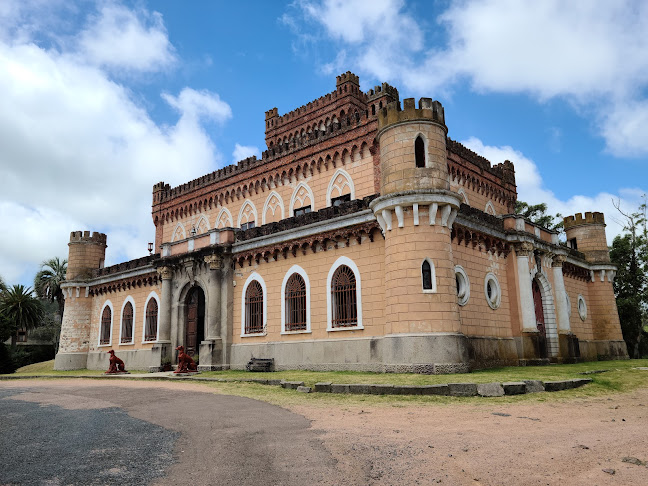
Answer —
(295, 303)
(254, 308)
(127, 323)
(106, 321)
(344, 298)
(419, 151)
(150, 330)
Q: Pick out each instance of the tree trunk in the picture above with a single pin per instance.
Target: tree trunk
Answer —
(14, 340)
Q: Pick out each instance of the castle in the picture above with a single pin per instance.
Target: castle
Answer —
(363, 239)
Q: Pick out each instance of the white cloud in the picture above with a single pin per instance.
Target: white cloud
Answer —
(593, 53)
(244, 151)
(78, 152)
(124, 39)
(531, 189)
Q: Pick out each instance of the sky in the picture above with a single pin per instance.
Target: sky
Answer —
(102, 99)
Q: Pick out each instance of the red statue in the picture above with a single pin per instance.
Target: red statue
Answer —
(186, 363)
(116, 364)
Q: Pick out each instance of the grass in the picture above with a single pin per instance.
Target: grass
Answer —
(620, 377)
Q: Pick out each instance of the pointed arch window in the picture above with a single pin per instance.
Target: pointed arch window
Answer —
(419, 151)
(106, 324)
(295, 303)
(127, 324)
(428, 276)
(150, 330)
(254, 308)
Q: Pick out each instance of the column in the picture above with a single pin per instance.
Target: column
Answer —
(215, 263)
(562, 313)
(165, 306)
(523, 250)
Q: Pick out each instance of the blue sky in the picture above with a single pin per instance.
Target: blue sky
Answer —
(102, 99)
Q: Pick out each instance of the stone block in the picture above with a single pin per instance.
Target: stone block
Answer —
(462, 389)
(339, 388)
(514, 388)
(380, 389)
(578, 382)
(323, 387)
(490, 389)
(291, 385)
(407, 390)
(534, 386)
(434, 390)
(552, 386)
(274, 382)
(304, 389)
(359, 388)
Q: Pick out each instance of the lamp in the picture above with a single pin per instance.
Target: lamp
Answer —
(150, 248)
(193, 231)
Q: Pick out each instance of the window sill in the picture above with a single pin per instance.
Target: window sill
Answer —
(256, 334)
(349, 328)
(132, 343)
(150, 342)
(104, 345)
(429, 291)
(305, 331)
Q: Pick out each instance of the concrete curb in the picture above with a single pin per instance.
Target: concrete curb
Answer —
(450, 389)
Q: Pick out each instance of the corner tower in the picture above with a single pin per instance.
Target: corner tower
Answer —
(87, 252)
(416, 210)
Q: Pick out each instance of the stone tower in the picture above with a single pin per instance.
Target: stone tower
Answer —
(86, 252)
(587, 235)
(416, 210)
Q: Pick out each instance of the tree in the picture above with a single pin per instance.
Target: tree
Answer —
(48, 280)
(19, 309)
(537, 213)
(3, 286)
(629, 252)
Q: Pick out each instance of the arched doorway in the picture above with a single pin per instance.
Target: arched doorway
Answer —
(540, 318)
(195, 319)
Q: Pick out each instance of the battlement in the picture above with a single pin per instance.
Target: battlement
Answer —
(578, 220)
(427, 110)
(383, 90)
(274, 112)
(85, 237)
(347, 77)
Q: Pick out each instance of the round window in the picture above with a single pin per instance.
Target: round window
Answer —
(493, 291)
(463, 285)
(582, 308)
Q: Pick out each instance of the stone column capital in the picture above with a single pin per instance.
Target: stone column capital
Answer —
(215, 262)
(165, 272)
(558, 260)
(524, 248)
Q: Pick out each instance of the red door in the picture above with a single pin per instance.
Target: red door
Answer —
(192, 324)
(540, 320)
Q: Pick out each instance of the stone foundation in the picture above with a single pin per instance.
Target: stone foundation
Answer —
(72, 361)
(137, 359)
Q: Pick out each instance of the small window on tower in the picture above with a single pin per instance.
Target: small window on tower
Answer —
(419, 151)
(572, 244)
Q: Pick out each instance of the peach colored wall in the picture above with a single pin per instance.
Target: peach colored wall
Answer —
(477, 317)
(360, 170)
(117, 299)
(582, 329)
(369, 258)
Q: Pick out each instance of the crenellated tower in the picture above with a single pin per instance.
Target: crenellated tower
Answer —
(587, 235)
(416, 211)
(86, 252)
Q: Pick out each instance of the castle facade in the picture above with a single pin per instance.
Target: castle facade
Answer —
(363, 239)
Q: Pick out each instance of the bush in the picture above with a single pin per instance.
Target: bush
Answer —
(6, 363)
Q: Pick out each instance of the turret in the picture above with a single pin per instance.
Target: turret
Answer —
(86, 252)
(416, 210)
(587, 235)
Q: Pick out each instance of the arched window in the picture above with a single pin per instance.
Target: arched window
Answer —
(295, 303)
(344, 298)
(151, 326)
(106, 325)
(127, 324)
(428, 276)
(419, 151)
(254, 308)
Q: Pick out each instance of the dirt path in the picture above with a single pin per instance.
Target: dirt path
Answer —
(570, 442)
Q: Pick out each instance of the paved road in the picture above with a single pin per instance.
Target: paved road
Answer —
(85, 432)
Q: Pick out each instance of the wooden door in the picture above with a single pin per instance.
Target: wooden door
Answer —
(540, 320)
(192, 324)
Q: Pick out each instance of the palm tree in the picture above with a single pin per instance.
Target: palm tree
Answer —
(3, 286)
(19, 309)
(48, 280)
